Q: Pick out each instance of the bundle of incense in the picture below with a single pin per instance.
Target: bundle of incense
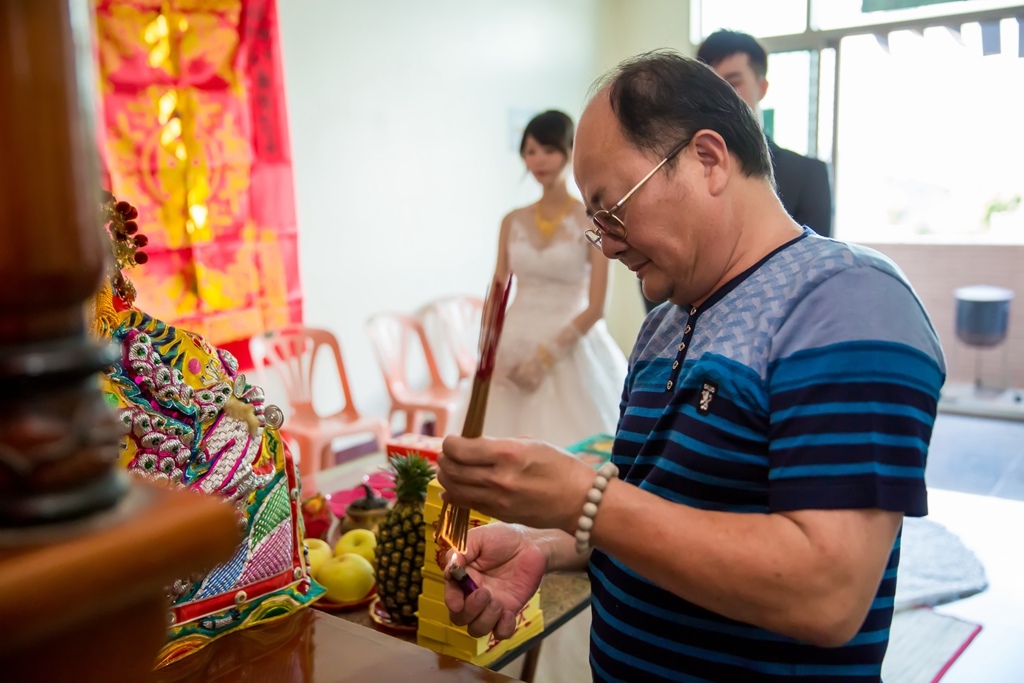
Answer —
(453, 527)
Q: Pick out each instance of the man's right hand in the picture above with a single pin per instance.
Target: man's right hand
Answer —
(507, 564)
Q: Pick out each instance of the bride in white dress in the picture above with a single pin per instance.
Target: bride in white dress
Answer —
(559, 374)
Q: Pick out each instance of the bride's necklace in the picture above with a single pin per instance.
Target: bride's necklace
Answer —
(549, 226)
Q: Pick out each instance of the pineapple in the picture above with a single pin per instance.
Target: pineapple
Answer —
(400, 539)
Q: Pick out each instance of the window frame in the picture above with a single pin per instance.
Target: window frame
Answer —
(815, 41)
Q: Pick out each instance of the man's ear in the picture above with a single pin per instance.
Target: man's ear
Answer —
(762, 88)
(713, 154)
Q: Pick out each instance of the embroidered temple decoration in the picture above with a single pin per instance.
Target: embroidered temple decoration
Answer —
(194, 130)
(192, 421)
(117, 291)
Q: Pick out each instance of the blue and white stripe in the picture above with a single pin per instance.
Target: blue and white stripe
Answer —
(825, 373)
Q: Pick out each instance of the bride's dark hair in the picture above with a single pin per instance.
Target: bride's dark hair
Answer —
(552, 129)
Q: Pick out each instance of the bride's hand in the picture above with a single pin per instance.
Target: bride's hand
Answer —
(529, 374)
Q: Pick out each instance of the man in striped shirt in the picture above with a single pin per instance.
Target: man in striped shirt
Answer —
(774, 423)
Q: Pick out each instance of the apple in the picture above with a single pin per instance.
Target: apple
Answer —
(317, 516)
(347, 578)
(362, 542)
(319, 552)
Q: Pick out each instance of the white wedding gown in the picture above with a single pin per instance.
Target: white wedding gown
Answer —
(579, 396)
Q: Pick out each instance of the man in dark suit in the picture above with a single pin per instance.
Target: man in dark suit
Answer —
(802, 183)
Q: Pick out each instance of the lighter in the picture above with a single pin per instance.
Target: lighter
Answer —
(460, 576)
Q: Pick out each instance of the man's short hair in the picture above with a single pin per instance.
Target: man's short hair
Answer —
(723, 44)
(661, 98)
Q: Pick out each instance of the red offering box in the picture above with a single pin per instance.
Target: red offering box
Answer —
(407, 444)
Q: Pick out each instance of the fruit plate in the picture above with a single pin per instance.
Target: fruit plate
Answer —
(381, 617)
(329, 606)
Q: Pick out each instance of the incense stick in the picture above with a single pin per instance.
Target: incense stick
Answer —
(453, 527)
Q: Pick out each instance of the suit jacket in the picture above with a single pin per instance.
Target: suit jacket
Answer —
(804, 187)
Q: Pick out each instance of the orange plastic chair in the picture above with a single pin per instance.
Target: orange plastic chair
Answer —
(455, 322)
(292, 352)
(395, 336)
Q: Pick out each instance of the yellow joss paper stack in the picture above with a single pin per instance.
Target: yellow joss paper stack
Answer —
(435, 630)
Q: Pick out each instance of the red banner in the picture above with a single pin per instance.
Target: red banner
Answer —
(195, 135)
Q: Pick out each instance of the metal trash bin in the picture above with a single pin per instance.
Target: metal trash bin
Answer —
(982, 314)
(982, 320)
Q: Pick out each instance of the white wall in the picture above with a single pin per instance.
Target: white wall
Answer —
(627, 28)
(402, 117)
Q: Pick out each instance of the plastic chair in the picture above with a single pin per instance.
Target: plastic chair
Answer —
(292, 353)
(394, 335)
(456, 320)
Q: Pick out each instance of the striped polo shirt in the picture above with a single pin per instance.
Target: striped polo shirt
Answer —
(810, 381)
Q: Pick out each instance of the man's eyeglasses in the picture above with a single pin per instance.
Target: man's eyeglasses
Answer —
(605, 220)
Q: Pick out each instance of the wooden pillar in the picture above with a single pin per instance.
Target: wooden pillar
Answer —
(85, 553)
(58, 443)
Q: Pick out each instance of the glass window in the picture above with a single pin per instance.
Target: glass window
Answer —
(756, 17)
(829, 14)
(826, 102)
(930, 145)
(786, 105)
